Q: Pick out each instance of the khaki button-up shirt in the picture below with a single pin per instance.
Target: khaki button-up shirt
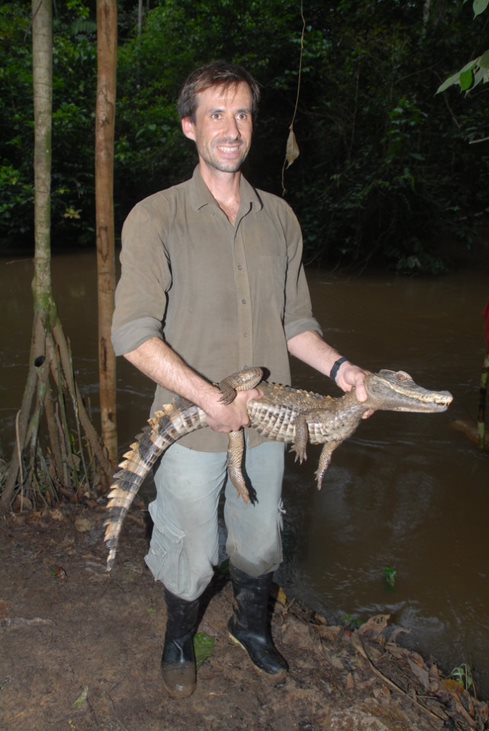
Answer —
(223, 296)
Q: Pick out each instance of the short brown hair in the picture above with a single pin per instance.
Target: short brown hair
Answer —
(219, 73)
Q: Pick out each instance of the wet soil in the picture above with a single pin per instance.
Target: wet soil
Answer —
(80, 650)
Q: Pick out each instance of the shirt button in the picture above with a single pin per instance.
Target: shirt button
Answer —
(240, 267)
(243, 301)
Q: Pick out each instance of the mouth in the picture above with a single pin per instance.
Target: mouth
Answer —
(433, 407)
(229, 150)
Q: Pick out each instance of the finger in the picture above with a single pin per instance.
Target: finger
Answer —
(361, 391)
(250, 395)
(368, 414)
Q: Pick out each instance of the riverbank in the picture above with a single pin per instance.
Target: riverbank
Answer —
(80, 650)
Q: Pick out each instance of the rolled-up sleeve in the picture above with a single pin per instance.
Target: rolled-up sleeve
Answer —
(298, 310)
(140, 298)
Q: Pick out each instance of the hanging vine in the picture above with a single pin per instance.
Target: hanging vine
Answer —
(292, 151)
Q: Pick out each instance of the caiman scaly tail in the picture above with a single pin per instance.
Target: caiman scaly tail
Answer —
(282, 414)
(165, 428)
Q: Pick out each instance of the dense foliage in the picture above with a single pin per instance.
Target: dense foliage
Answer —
(386, 171)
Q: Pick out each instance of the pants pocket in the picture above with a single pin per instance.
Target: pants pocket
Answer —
(165, 557)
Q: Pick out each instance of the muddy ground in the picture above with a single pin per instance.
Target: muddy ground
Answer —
(80, 650)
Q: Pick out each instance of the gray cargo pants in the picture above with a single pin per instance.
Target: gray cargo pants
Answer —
(184, 546)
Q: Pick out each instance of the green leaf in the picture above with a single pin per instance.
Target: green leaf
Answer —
(479, 6)
(479, 76)
(464, 77)
(453, 79)
(466, 80)
(463, 675)
(81, 700)
(390, 576)
(204, 647)
(469, 65)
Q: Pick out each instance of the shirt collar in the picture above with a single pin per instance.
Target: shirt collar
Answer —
(201, 196)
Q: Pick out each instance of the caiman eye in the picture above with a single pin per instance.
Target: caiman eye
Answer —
(403, 376)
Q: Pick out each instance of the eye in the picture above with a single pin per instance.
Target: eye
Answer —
(242, 116)
(216, 115)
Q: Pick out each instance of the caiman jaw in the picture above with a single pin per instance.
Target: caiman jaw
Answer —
(396, 391)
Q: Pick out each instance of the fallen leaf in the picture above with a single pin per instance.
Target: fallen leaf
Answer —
(396, 650)
(22, 503)
(56, 514)
(34, 517)
(329, 633)
(282, 597)
(81, 701)
(319, 618)
(83, 525)
(17, 519)
(396, 632)
(453, 686)
(374, 626)
(60, 573)
(334, 659)
(421, 673)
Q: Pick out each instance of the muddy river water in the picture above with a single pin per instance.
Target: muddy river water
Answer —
(407, 492)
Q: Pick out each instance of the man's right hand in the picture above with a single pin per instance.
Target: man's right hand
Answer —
(222, 418)
(157, 360)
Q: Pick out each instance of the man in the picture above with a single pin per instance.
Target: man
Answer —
(212, 281)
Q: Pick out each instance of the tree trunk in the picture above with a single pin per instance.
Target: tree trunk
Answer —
(63, 463)
(104, 189)
(140, 17)
(42, 66)
(426, 16)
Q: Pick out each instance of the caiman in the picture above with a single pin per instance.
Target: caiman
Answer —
(283, 414)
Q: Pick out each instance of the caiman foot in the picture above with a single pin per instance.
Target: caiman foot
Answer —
(300, 453)
(235, 461)
(243, 380)
(301, 436)
(324, 460)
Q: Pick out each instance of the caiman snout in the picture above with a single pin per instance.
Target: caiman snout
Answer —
(397, 391)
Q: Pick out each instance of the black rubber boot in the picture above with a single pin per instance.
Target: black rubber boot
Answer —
(249, 626)
(178, 660)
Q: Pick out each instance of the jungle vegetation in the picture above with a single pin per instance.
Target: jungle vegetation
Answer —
(388, 172)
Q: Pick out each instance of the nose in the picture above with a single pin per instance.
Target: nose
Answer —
(232, 128)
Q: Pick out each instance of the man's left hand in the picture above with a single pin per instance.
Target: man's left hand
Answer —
(353, 377)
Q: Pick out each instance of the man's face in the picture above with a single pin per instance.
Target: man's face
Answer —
(223, 126)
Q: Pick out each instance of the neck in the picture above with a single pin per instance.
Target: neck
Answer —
(350, 401)
(225, 187)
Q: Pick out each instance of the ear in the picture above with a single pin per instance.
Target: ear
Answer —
(188, 128)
